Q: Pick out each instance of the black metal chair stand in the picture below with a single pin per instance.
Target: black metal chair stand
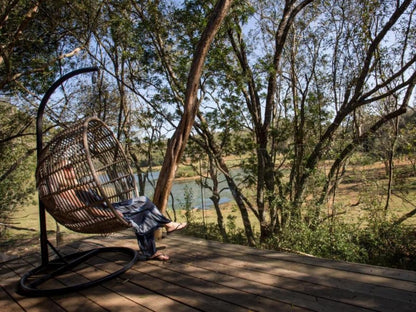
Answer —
(49, 278)
(32, 284)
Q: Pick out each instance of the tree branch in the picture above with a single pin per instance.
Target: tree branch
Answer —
(178, 141)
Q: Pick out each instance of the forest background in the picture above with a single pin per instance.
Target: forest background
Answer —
(312, 100)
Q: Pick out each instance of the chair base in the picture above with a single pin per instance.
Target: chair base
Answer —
(30, 284)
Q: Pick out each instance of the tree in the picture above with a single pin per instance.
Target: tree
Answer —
(262, 111)
(371, 82)
(34, 36)
(286, 84)
(17, 153)
(152, 43)
(317, 62)
(34, 43)
(179, 139)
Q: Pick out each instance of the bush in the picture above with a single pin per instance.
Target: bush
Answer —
(390, 245)
(330, 240)
(212, 231)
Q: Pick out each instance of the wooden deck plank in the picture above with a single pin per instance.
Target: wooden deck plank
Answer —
(143, 297)
(223, 295)
(343, 295)
(30, 304)
(77, 302)
(227, 294)
(257, 284)
(180, 294)
(211, 276)
(236, 295)
(7, 303)
(311, 260)
(92, 299)
(368, 285)
(320, 267)
(298, 293)
(20, 266)
(69, 302)
(112, 301)
(320, 285)
(177, 293)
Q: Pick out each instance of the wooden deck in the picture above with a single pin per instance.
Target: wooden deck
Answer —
(210, 276)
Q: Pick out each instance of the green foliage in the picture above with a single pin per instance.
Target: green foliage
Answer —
(185, 172)
(234, 234)
(147, 46)
(332, 240)
(16, 165)
(389, 245)
(32, 35)
(407, 138)
(211, 231)
(379, 243)
(187, 204)
(362, 159)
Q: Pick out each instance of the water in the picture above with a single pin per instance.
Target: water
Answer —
(200, 198)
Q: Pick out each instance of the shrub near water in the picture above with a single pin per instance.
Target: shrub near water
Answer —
(386, 245)
(330, 240)
(211, 231)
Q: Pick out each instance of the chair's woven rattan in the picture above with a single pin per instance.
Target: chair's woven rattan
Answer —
(90, 149)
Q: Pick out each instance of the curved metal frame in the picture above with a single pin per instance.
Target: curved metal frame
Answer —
(63, 264)
(60, 266)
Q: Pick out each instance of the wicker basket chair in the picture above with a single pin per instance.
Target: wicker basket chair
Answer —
(81, 200)
(91, 151)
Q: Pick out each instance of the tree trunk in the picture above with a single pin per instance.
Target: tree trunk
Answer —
(390, 167)
(239, 199)
(215, 197)
(215, 155)
(176, 144)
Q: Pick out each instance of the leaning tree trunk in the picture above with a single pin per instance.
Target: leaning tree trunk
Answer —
(179, 139)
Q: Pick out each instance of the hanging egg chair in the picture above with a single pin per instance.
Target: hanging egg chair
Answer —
(82, 172)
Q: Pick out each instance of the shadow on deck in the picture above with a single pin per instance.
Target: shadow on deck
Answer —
(210, 276)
